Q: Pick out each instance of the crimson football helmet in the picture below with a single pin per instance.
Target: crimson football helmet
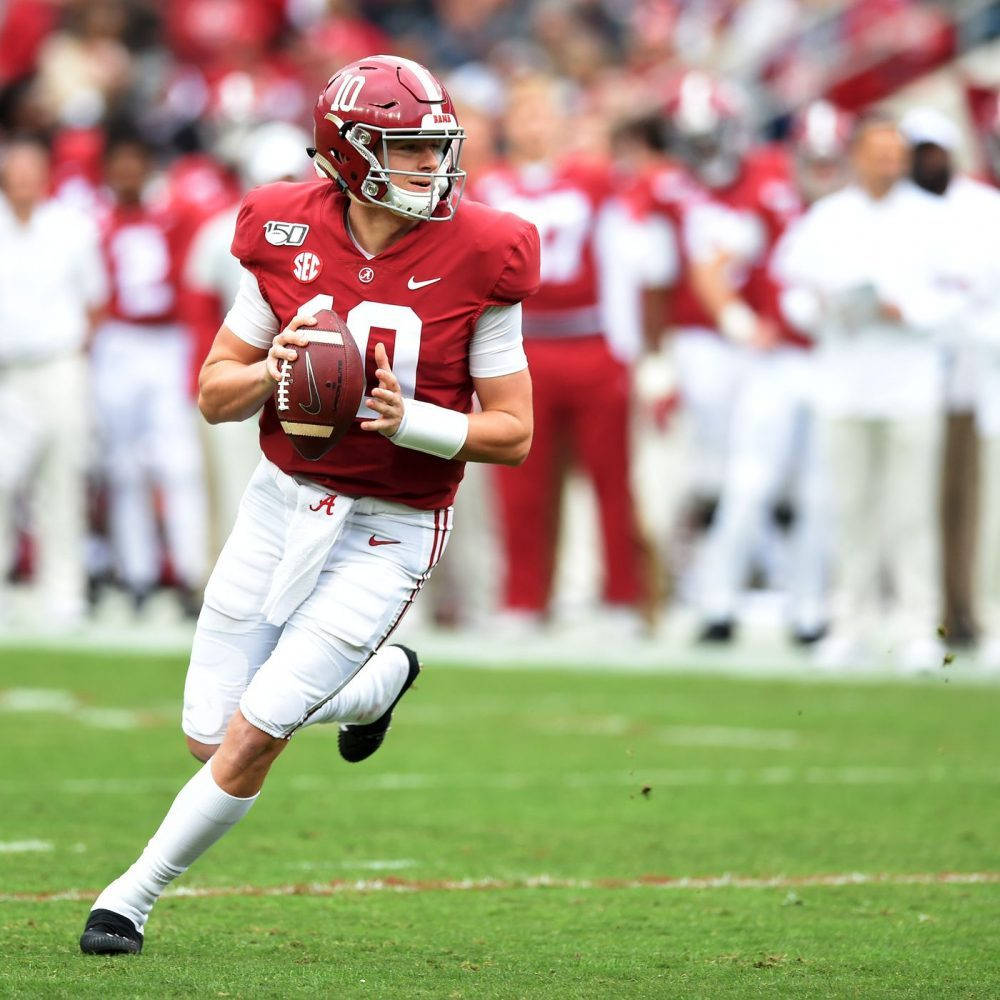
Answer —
(368, 106)
(706, 119)
(820, 136)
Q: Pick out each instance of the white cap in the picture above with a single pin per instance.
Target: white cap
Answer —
(274, 151)
(930, 125)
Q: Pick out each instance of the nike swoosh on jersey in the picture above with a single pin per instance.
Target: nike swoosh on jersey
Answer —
(373, 541)
(413, 285)
(314, 401)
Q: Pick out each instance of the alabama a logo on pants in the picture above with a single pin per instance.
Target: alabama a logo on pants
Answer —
(306, 266)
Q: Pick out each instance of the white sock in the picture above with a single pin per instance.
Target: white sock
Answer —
(369, 693)
(199, 816)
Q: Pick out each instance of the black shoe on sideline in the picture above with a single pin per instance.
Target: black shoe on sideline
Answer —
(109, 933)
(721, 631)
(356, 742)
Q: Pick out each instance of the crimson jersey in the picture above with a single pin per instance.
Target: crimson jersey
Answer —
(669, 192)
(563, 202)
(143, 262)
(421, 297)
(764, 201)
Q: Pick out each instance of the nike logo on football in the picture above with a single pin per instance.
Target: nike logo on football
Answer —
(314, 401)
(373, 541)
(414, 285)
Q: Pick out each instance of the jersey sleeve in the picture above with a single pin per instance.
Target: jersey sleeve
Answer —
(251, 318)
(247, 227)
(519, 272)
(497, 348)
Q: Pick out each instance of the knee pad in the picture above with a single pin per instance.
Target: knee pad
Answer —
(225, 655)
(301, 674)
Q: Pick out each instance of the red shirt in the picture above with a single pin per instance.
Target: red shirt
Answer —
(421, 297)
(564, 202)
(143, 264)
(763, 195)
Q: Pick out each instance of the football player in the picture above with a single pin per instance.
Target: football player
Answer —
(141, 362)
(581, 388)
(326, 556)
(773, 451)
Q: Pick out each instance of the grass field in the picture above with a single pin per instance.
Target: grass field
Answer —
(521, 834)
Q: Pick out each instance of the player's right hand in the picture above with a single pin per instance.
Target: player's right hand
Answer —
(284, 344)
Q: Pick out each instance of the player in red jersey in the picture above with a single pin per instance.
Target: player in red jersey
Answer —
(581, 389)
(770, 450)
(326, 556)
(141, 387)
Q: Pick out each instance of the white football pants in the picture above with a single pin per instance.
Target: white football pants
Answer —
(149, 438)
(773, 453)
(709, 374)
(886, 485)
(308, 586)
(45, 409)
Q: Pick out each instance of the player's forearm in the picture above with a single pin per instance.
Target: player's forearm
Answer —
(497, 437)
(230, 391)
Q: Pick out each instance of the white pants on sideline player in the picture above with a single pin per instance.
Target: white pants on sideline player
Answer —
(231, 451)
(709, 373)
(886, 476)
(149, 438)
(307, 587)
(773, 452)
(44, 408)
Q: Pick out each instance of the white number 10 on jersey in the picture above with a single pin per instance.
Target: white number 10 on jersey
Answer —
(360, 321)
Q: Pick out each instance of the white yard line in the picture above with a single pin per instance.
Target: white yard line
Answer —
(339, 782)
(24, 846)
(663, 882)
(19, 701)
(569, 647)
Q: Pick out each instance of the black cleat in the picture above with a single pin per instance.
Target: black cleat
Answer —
(717, 632)
(356, 742)
(109, 933)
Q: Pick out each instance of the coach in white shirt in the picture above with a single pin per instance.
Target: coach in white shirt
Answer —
(860, 270)
(51, 282)
(971, 211)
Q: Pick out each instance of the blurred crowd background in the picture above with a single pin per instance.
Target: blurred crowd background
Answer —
(766, 353)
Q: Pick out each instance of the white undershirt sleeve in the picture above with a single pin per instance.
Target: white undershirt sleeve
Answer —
(251, 318)
(497, 348)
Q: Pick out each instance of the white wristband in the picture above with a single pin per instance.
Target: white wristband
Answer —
(737, 322)
(431, 429)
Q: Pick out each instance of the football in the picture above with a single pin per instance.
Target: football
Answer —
(318, 395)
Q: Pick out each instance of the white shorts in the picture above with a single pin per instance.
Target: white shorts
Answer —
(307, 588)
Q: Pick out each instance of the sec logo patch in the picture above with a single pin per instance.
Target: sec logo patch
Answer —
(306, 267)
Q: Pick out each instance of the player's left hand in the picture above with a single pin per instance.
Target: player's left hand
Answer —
(386, 400)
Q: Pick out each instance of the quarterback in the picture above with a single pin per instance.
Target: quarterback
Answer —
(326, 556)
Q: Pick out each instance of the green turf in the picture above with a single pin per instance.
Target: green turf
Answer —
(507, 776)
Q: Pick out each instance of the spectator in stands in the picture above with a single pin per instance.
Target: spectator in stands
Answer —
(860, 270)
(51, 285)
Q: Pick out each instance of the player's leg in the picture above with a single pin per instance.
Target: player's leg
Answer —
(22, 441)
(59, 492)
(177, 462)
(121, 397)
(231, 642)
(810, 552)
(854, 452)
(331, 664)
(913, 540)
(528, 494)
(600, 422)
(959, 524)
(761, 442)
